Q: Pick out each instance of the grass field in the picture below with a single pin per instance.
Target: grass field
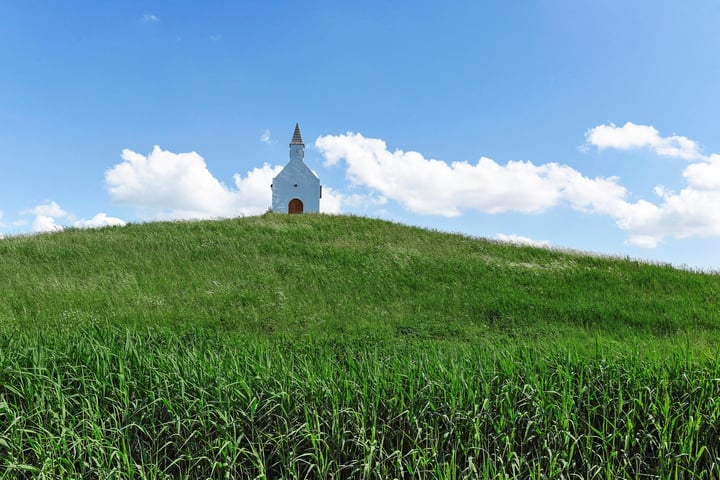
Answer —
(342, 347)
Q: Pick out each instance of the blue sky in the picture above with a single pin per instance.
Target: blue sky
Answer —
(583, 125)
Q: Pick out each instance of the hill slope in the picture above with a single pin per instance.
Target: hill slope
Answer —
(339, 274)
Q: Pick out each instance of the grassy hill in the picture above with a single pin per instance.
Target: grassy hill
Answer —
(324, 274)
(341, 347)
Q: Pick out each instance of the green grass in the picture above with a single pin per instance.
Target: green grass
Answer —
(342, 347)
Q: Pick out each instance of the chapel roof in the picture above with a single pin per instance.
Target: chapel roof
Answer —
(297, 138)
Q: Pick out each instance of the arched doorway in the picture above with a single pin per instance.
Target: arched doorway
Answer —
(295, 206)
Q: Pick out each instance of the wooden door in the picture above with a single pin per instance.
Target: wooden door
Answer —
(295, 206)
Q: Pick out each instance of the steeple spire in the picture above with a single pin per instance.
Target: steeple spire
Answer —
(297, 138)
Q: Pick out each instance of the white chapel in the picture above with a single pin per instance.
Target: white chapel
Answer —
(296, 189)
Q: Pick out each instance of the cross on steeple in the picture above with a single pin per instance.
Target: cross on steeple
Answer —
(297, 138)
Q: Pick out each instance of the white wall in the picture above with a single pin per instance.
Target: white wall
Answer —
(296, 180)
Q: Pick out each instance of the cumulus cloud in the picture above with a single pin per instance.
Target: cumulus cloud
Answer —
(99, 220)
(45, 217)
(43, 223)
(520, 240)
(179, 185)
(50, 209)
(265, 137)
(694, 211)
(335, 202)
(429, 186)
(631, 136)
(253, 194)
(704, 175)
(150, 18)
(331, 201)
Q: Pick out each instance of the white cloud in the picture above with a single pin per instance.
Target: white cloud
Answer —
(429, 186)
(253, 194)
(335, 202)
(331, 201)
(99, 220)
(689, 213)
(520, 240)
(356, 200)
(181, 186)
(50, 209)
(694, 211)
(704, 175)
(150, 18)
(45, 215)
(265, 137)
(642, 241)
(631, 136)
(44, 223)
(215, 38)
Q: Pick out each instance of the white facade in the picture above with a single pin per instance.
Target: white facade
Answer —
(296, 189)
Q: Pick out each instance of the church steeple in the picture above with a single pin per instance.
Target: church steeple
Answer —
(297, 138)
